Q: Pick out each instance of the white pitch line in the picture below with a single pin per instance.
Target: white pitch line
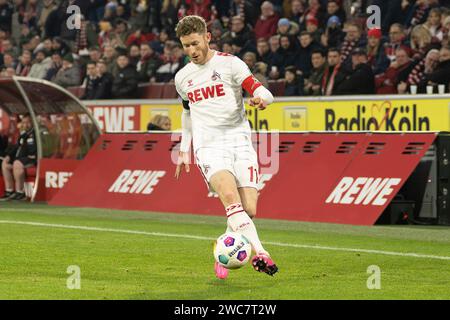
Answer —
(188, 236)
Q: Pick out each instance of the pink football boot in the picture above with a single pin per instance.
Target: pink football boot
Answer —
(263, 263)
(221, 271)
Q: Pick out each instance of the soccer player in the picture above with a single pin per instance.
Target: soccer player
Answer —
(214, 117)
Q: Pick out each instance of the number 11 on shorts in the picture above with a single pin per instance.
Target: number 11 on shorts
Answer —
(253, 174)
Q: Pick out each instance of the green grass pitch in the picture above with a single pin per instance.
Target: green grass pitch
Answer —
(141, 255)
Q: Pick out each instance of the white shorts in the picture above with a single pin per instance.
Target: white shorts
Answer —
(241, 161)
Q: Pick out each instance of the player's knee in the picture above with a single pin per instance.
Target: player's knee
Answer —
(17, 165)
(229, 196)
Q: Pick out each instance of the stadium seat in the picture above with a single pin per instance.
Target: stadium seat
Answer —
(169, 91)
(277, 88)
(151, 90)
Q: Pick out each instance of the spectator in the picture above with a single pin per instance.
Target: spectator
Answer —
(361, 80)
(334, 9)
(7, 47)
(293, 82)
(375, 51)
(6, 12)
(420, 42)
(433, 25)
(60, 46)
(312, 26)
(441, 74)
(24, 66)
(109, 57)
(297, 11)
(239, 32)
(41, 65)
(286, 27)
(8, 62)
(263, 51)
(397, 37)
(23, 155)
(139, 37)
(199, 8)
(169, 13)
(315, 11)
(159, 123)
(227, 47)
(54, 67)
(248, 10)
(95, 54)
(69, 75)
(417, 13)
(313, 83)
(104, 83)
(333, 35)
(352, 40)
(250, 59)
(287, 53)
(266, 25)
(333, 75)
(260, 71)
(105, 35)
(217, 32)
(389, 81)
(134, 55)
(418, 73)
(120, 35)
(125, 85)
(148, 64)
(90, 82)
(303, 55)
(46, 9)
(170, 64)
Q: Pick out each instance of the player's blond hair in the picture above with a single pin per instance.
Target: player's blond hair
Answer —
(190, 24)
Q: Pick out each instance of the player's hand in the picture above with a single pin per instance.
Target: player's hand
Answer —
(183, 161)
(257, 103)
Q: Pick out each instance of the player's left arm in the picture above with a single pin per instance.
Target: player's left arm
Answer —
(186, 133)
(261, 96)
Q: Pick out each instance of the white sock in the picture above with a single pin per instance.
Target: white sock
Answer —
(239, 221)
(228, 229)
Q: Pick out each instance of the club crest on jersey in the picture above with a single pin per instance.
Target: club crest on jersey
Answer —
(190, 83)
(215, 76)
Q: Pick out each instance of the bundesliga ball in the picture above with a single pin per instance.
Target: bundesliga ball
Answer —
(232, 250)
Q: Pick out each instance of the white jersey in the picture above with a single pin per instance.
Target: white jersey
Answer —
(214, 92)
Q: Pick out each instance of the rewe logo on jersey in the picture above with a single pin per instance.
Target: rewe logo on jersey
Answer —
(363, 190)
(206, 93)
(136, 181)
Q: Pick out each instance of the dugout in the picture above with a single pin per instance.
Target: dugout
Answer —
(65, 129)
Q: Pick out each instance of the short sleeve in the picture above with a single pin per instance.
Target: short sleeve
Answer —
(239, 70)
(179, 90)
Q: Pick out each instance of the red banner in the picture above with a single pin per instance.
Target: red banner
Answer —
(339, 178)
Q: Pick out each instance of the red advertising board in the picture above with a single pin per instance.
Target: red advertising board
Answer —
(323, 177)
(53, 175)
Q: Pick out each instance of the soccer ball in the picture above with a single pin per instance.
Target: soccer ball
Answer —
(232, 250)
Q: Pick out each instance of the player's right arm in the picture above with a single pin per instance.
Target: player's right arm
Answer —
(186, 134)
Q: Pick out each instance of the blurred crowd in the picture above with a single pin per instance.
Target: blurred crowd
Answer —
(316, 47)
